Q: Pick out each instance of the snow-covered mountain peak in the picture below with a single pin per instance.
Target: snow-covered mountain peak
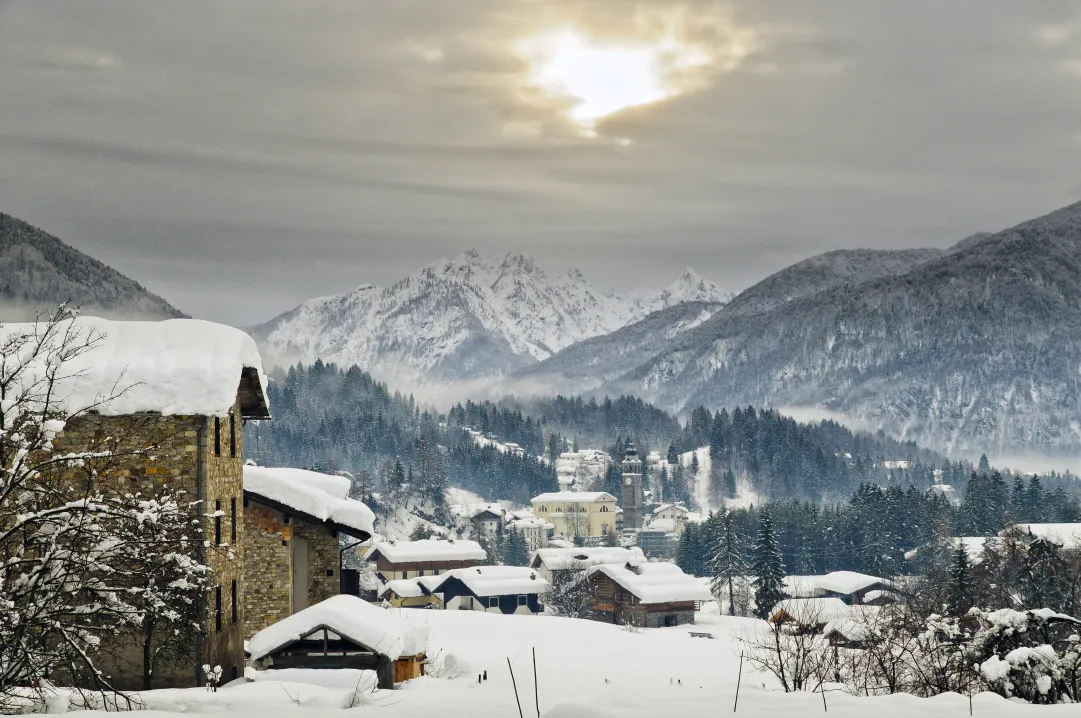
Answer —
(690, 287)
(474, 315)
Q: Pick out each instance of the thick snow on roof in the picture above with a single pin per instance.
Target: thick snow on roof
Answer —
(494, 580)
(350, 617)
(322, 496)
(573, 497)
(665, 507)
(656, 582)
(845, 582)
(1066, 535)
(404, 587)
(561, 559)
(666, 525)
(172, 367)
(813, 610)
(529, 523)
(430, 550)
(848, 628)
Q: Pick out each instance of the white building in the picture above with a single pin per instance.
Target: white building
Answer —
(533, 530)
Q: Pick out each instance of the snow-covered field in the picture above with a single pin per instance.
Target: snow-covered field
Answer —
(584, 670)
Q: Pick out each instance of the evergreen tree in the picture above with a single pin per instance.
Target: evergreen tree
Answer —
(515, 551)
(960, 590)
(729, 566)
(673, 455)
(694, 465)
(768, 567)
(729, 484)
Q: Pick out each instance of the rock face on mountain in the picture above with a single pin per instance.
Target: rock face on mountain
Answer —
(38, 271)
(467, 318)
(974, 349)
(588, 365)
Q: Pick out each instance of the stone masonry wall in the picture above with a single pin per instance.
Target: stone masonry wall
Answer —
(268, 565)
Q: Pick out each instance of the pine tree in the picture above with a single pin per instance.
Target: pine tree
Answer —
(729, 566)
(729, 484)
(694, 465)
(673, 455)
(960, 593)
(768, 567)
(515, 551)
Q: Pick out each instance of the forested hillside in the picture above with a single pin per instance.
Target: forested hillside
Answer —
(342, 419)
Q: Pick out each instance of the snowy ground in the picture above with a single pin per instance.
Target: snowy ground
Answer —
(584, 670)
(745, 498)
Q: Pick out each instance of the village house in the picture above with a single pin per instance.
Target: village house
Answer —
(534, 531)
(577, 514)
(848, 586)
(487, 522)
(293, 522)
(494, 589)
(649, 595)
(428, 557)
(549, 561)
(176, 392)
(344, 632)
(1066, 536)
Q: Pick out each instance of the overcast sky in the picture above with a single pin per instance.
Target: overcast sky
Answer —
(239, 157)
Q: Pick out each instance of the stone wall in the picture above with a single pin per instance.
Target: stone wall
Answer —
(679, 618)
(155, 451)
(269, 564)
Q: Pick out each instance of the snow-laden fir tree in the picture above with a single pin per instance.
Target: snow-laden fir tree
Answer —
(768, 567)
(515, 551)
(960, 588)
(729, 565)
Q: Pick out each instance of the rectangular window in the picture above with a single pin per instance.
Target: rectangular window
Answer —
(217, 436)
(232, 502)
(232, 435)
(234, 601)
(217, 523)
(217, 607)
(523, 600)
(493, 602)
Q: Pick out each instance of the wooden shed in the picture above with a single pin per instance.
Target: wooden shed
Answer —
(344, 632)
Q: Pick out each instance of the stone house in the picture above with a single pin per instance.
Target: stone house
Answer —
(293, 522)
(428, 557)
(649, 595)
(176, 393)
(577, 513)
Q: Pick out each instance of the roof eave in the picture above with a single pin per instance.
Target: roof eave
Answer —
(331, 525)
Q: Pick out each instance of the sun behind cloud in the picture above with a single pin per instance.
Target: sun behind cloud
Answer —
(591, 79)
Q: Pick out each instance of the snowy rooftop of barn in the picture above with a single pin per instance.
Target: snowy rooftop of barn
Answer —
(404, 587)
(351, 618)
(656, 582)
(843, 582)
(812, 610)
(321, 496)
(429, 550)
(494, 580)
(183, 367)
(562, 559)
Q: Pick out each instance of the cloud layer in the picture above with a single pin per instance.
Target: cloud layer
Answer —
(240, 157)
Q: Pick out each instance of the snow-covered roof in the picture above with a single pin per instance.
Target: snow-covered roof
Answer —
(404, 587)
(875, 595)
(666, 525)
(847, 628)
(812, 610)
(320, 496)
(174, 367)
(844, 582)
(573, 497)
(1066, 535)
(493, 580)
(351, 618)
(561, 559)
(656, 582)
(668, 506)
(429, 550)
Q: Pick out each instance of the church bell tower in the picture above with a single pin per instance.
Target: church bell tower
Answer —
(632, 489)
